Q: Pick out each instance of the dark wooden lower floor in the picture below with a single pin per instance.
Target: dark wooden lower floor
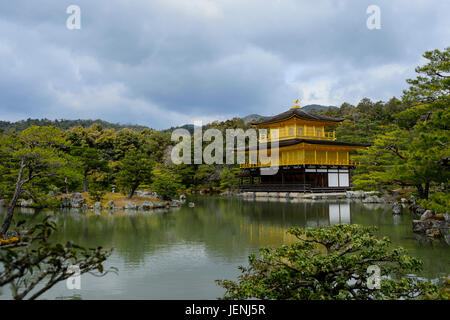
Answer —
(296, 179)
(289, 188)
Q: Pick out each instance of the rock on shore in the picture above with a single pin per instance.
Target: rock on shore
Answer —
(397, 208)
(77, 200)
(131, 205)
(147, 205)
(26, 203)
(372, 199)
(433, 225)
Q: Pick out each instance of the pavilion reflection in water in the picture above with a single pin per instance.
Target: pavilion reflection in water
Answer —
(339, 213)
(267, 221)
(334, 213)
(304, 213)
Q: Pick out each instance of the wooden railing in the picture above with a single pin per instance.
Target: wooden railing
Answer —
(294, 163)
(314, 136)
(275, 187)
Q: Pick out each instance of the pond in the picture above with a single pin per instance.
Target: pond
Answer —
(177, 254)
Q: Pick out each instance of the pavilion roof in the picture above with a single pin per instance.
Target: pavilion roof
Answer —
(299, 113)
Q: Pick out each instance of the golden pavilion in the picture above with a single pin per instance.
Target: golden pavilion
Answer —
(309, 157)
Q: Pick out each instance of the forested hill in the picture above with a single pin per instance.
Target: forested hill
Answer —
(317, 107)
(64, 124)
(68, 124)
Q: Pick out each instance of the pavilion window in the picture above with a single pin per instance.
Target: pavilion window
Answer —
(332, 157)
(262, 136)
(300, 132)
(342, 157)
(291, 131)
(321, 157)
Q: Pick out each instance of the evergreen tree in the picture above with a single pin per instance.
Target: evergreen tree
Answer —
(36, 153)
(165, 182)
(414, 151)
(134, 169)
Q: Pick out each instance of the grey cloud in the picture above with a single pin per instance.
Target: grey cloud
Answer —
(166, 62)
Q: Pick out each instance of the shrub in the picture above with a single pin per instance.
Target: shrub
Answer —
(330, 263)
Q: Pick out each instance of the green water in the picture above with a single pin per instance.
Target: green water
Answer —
(178, 254)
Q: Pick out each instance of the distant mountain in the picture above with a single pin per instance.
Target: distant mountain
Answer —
(189, 127)
(317, 107)
(65, 124)
(253, 118)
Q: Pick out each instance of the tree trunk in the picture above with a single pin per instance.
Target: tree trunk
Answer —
(133, 189)
(67, 185)
(420, 190)
(12, 204)
(85, 182)
(423, 192)
(427, 190)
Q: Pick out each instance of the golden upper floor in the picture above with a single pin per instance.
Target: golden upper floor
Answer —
(296, 129)
(297, 123)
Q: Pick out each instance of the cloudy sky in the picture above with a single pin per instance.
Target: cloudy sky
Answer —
(168, 62)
